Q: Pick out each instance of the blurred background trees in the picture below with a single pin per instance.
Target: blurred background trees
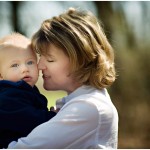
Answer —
(126, 24)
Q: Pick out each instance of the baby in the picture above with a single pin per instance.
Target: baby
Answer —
(22, 107)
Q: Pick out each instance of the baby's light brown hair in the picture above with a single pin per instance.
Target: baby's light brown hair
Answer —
(14, 40)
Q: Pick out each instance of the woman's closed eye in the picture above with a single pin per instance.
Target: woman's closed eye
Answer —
(50, 60)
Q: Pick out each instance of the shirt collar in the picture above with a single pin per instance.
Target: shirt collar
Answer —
(84, 89)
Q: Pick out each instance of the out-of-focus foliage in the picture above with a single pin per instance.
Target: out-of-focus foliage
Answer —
(126, 24)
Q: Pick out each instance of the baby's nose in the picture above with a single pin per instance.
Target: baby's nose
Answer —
(25, 68)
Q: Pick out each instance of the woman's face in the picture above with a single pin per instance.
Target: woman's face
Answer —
(55, 68)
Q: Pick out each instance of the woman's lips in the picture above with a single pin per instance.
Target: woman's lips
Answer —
(45, 77)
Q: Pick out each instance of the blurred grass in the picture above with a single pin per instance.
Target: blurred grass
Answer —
(53, 96)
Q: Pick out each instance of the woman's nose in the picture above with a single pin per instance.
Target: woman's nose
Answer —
(41, 65)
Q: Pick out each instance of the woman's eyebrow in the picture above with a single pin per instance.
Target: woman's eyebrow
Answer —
(50, 55)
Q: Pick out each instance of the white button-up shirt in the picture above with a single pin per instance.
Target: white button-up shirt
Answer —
(88, 119)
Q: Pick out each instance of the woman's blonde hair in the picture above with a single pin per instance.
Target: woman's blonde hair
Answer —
(82, 38)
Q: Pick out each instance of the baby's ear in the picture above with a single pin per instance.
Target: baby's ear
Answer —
(1, 78)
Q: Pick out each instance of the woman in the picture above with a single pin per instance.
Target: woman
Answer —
(76, 57)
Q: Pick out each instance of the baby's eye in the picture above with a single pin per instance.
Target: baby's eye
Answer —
(15, 65)
(30, 62)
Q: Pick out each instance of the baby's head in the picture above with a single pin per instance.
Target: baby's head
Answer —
(17, 59)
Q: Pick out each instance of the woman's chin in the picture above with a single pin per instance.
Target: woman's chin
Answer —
(46, 87)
